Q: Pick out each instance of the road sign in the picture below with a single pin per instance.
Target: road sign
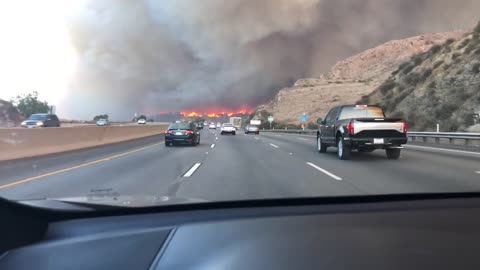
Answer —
(270, 119)
(304, 117)
(255, 122)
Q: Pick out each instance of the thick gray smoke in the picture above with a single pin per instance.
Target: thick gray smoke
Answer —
(152, 56)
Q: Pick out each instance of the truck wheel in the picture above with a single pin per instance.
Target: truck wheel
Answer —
(321, 147)
(393, 153)
(343, 150)
(233, 133)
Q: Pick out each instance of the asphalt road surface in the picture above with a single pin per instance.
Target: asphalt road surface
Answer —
(227, 167)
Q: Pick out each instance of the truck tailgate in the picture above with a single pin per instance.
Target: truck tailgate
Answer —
(378, 124)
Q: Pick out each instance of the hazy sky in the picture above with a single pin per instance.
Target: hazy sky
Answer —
(124, 56)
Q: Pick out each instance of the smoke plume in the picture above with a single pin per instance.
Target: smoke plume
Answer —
(151, 56)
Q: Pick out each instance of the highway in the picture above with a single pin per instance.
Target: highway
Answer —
(269, 165)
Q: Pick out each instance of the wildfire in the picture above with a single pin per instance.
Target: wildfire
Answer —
(216, 113)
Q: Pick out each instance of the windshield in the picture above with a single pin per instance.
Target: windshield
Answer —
(37, 117)
(208, 100)
(179, 126)
(361, 112)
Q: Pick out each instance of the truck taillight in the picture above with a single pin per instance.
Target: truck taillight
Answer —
(404, 127)
(350, 128)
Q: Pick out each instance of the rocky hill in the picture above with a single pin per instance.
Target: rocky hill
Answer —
(349, 79)
(9, 116)
(441, 86)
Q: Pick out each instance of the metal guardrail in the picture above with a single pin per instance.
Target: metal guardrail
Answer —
(413, 135)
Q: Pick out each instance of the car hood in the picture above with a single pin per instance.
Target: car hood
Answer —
(98, 201)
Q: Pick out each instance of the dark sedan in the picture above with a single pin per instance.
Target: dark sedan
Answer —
(182, 133)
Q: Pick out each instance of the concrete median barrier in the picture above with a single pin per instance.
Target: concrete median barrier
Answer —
(22, 143)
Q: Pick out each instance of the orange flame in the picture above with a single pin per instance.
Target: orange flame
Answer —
(216, 113)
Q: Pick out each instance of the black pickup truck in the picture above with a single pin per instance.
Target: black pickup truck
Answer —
(361, 127)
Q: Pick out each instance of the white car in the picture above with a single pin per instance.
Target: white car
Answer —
(219, 125)
(102, 122)
(212, 126)
(142, 121)
(227, 128)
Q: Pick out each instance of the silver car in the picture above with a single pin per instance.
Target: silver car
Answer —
(102, 122)
(252, 129)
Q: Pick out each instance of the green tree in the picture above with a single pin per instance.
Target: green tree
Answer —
(142, 117)
(29, 104)
(101, 116)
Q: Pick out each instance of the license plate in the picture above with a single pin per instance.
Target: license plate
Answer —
(378, 141)
(178, 133)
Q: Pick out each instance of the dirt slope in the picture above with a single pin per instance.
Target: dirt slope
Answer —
(349, 79)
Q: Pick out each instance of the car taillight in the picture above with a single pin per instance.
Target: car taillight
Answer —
(404, 127)
(188, 132)
(170, 131)
(350, 128)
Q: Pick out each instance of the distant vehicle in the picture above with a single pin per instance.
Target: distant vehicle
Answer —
(142, 121)
(199, 125)
(252, 129)
(361, 127)
(255, 122)
(227, 128)
(236, 122)
(41, 120)
(182, 133)
(205, 123)
(212, 126)
(102, 122)
(219, 125)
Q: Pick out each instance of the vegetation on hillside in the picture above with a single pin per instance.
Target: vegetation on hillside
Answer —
(29, 104)
(440, 86)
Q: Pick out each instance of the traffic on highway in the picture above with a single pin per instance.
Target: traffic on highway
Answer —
(239, 134)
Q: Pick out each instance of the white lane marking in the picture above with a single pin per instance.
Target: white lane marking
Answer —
(276, 135)
(303, 139)
(274, 145)
(206, 153)
(213, 145)
(256, 138)
(477, 171)
(442, 149)
(192, 170)
(290, 153)
(325, 171)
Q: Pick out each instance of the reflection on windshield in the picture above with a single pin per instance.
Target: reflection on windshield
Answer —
(360, 112)
(37, 117)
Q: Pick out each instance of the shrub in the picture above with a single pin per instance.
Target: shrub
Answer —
(477, 51)
(387, 86)
(455, 55)
(432, 85)
(426, 73)
(449, 41)
(394, 72)
(475, 67)
(437, 64)
(435, 49)
(413, 78)
(417, 60)
(445, 111)
(407, 69)
(403, 65)
(477, 28)
(469, 48)
(364, 100)
(463, 43)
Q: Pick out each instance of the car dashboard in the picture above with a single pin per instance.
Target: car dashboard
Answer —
(355, 233)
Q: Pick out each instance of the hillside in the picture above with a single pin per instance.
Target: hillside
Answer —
(348, 80)
(9, 116)
(441, 86)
